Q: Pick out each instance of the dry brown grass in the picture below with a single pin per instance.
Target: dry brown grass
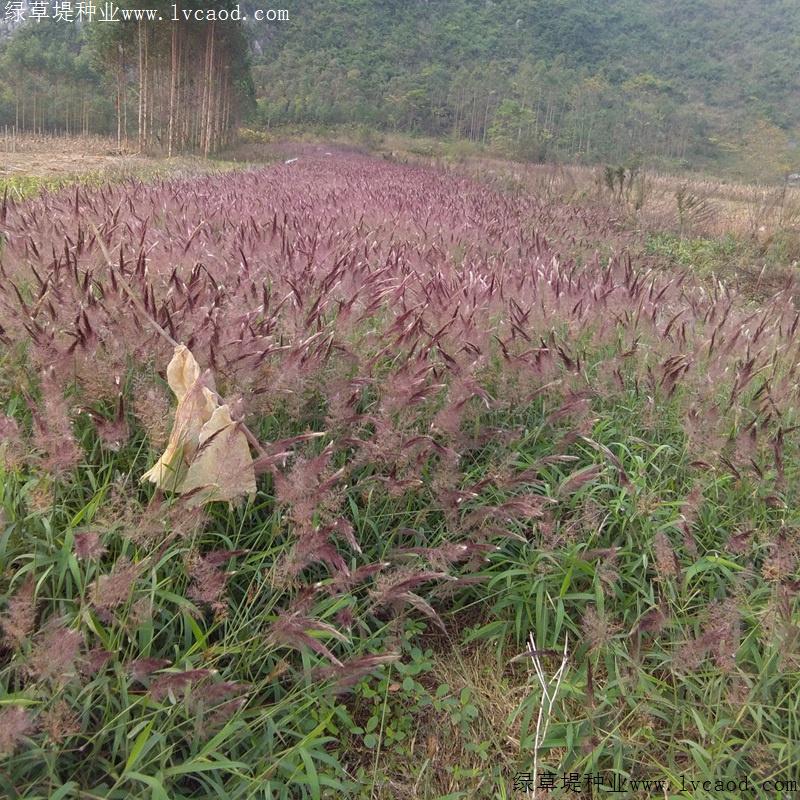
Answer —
(38, 155)
(719, 208)
(708, 207)
(25, 155)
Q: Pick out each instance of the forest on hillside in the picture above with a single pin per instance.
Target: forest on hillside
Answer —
(682, 84)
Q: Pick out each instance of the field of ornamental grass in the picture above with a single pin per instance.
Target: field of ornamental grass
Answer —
(526, 511)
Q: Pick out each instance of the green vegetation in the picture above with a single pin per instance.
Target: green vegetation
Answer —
(23, 186)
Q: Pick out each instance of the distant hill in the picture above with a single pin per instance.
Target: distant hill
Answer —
(680, 80)
(692, 83)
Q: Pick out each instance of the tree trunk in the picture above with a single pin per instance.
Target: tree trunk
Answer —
(173, 87)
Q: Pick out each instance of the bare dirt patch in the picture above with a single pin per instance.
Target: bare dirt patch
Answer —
(29, 155)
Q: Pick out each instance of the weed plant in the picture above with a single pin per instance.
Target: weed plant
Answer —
(475, 428)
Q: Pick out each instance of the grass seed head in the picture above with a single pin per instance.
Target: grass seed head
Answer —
(19, 620)
(15, 722)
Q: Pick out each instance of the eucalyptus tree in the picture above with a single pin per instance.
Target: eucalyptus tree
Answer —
(184, 77)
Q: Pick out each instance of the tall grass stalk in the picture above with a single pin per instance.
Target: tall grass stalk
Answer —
(550, 687)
